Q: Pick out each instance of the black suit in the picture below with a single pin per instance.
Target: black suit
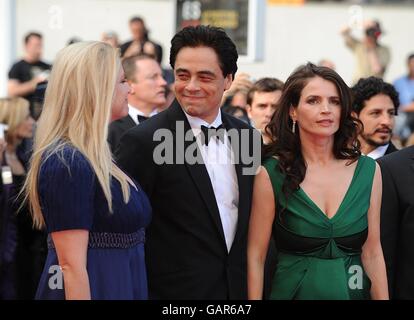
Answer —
(186, 252)
(397, 221)
(117, 129)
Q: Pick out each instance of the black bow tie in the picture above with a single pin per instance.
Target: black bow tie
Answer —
(213, 132)
(142, 118)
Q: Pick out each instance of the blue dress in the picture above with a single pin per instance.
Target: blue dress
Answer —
(71, 198)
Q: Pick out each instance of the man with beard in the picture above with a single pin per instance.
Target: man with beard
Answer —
(375, 104)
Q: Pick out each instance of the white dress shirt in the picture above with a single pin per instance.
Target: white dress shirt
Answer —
(217, 157)
(134, 113)
(378, 152)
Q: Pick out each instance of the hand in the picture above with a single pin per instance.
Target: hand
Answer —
(133, 49)
(38, 79)
(3, 145)
(242, 81)
(41, 78)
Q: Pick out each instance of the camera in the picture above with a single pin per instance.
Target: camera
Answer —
(374, 31)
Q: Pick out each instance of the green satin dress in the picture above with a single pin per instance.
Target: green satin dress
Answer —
(320, 258)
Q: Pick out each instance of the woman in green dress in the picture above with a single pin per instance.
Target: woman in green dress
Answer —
(318, 197)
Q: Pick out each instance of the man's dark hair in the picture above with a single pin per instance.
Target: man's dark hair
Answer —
(130, 65)
(136, 19)
(32, 34)
(410, 56)
(207, 36)
(366, 88)
(264, 85)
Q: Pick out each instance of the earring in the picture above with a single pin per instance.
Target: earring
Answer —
(293, 126)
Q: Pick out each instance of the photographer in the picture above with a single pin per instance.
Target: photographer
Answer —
(371, 57)
(28, 73)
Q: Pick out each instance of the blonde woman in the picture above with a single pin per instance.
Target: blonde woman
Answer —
(22, 252)
(94, 214)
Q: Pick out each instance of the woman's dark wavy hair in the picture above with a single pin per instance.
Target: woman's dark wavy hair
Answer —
(286, 145)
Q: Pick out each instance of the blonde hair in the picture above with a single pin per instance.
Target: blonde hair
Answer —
(13, 112)
(76, 112)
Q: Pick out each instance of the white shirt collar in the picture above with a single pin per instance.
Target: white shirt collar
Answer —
(196, 123)
(134, 113)
(378, 152)
(218, 159)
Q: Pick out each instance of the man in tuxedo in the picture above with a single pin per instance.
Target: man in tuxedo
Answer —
(144, 76)
(397, 221)
(197, 241)
(375, 104)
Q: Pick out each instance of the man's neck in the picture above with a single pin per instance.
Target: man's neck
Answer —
(142, 107)
(30, 59)
(366, 148)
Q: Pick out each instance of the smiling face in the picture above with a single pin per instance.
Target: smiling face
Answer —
(120, 99)
(378, 117)
(199, 82)
(319, 110)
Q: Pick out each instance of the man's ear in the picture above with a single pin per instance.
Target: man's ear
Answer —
(132, 90)
(354, 114)
(249, 110)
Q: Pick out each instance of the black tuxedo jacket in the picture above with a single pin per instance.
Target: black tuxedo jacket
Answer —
(186, 252)
(391, 148)
(397, 221)
(117, 129)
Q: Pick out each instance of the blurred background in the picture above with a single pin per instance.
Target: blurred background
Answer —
(281, 33)
(357, 38)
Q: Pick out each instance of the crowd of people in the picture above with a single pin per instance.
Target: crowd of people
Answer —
(122, 179)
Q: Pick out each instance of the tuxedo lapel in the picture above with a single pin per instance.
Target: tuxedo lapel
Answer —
(124, 124)
(129, 122)
(391, 148)
(198, 172)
